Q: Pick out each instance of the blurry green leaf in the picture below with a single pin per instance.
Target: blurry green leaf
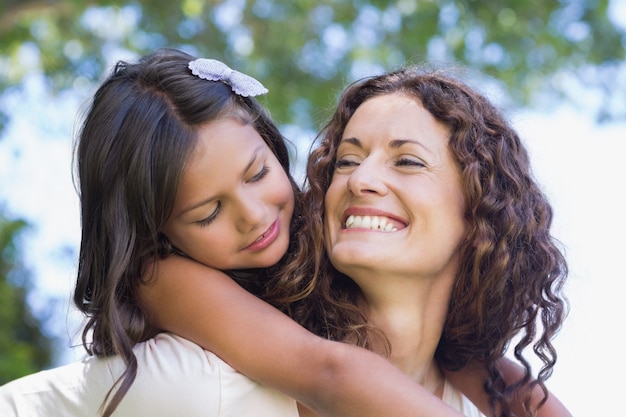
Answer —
(309, 50)
(24, 346)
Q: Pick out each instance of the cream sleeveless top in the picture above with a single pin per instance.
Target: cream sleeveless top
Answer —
(175, 378)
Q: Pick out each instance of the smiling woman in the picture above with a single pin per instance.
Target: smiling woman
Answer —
(469, 265)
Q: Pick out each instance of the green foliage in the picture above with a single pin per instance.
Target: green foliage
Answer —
(305, 51)
(24, 347)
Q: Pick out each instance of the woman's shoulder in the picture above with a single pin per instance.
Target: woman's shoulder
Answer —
(70, 390)
(178, 377)
(174, 377)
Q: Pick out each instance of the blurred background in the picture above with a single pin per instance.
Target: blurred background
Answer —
(557, 68)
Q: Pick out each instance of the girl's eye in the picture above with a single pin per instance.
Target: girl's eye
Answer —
(261, 174)
(410, 162)
(207, 221)
(257, 177)
(341, 163)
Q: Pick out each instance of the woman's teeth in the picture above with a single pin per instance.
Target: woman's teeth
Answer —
(370, 222)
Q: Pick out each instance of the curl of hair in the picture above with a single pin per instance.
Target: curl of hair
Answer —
(512, 271)
(131, 152)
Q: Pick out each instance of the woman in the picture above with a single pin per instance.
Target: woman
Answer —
(439, 250)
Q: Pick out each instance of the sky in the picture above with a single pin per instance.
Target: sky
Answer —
(579, 163)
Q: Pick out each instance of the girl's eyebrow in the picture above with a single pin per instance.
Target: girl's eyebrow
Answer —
(255, 155)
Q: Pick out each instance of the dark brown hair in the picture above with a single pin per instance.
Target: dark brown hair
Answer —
(512, 270)
(131, 152)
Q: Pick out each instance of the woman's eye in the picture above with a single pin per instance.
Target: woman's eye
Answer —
(207, 221)
(411, 162)
(341, 163)
(261, 174)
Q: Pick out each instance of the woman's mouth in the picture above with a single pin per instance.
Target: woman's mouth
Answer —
(378, 223)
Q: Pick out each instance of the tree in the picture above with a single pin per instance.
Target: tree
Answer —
(305, 51)
(24, 346)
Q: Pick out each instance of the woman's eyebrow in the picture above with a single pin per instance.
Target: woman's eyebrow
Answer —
(394, 144)
(397, 143)
(352, 141)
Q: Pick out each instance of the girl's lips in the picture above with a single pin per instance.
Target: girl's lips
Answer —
(266, 239)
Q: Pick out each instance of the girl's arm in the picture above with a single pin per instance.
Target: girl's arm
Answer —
(470, 381)
(333, 379)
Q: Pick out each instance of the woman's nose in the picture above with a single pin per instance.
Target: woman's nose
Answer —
(367, 179)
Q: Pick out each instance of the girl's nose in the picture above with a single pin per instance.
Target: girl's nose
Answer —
(252, 213)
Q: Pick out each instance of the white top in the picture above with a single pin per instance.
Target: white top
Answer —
(459, 402)
(175, 378)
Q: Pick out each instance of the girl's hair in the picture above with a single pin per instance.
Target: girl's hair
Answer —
(131, 151)
(511, 272)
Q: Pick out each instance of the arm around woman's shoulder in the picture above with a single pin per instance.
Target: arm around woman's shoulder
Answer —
(333, 379)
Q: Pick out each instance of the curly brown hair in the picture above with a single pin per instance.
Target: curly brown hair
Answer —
(512, 271)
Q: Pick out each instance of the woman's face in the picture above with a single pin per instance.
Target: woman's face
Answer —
(395, 203)
(234, 203)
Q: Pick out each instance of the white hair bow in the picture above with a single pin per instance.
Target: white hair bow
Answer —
(214, 70)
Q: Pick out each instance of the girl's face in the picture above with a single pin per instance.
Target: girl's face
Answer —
(234, 203)
(395, 203)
